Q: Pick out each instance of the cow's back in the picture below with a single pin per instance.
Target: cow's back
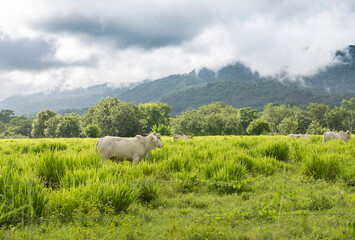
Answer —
(116, 147)
(184, 137)
(327, 136)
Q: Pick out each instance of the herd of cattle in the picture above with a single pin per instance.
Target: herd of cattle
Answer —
(139, 147)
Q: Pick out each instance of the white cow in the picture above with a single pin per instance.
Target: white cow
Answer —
(132, 149)
(299, 135)
(185, 137)
(327, 136)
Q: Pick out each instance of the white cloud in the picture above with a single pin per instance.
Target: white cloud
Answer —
(82, 43)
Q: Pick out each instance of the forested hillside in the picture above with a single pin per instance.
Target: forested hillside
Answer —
(336, 78)
(235, 85)
(60, 100)
(249, 95)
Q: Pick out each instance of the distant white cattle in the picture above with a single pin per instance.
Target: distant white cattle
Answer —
(132, 149)
(299, 135)
(327, 136)
(185, 137)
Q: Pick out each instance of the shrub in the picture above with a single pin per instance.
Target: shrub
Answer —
(162, 129)
(258, 126)
(92, 131)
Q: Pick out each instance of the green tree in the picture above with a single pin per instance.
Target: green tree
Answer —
(315, 128)
(20, 126)
(246, 116)
(92, 131)
(88, 116)
(69, 126)
(275, 114)
(126, 120)
(2, 127)
(349, 105)
(317, 112)
(303, 120)
(335, 119)
(51, 126)
(6, 115)
(155, 113)
(38, 125)
(288, 125)
(214, 119)
(258, 126)
(189, 122)
(115, 118)
(233, 125)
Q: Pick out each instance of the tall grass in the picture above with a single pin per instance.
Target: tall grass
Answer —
(277, 150)
(102, 197)
(323, 166)
(20, 198)
(51, 168)
(242, 170)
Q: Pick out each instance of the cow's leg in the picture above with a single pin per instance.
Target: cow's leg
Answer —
(135, 160)
(104, 161)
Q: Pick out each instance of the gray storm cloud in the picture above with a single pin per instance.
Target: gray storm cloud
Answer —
(26, 54)
(145, 31)
(32, 55)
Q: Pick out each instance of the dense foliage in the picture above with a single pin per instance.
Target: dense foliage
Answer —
(117, 118)
(214, 119)
(220, 119)
(216, 187)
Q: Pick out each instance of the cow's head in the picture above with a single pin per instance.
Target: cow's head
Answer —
(346, 136)
(156, 140)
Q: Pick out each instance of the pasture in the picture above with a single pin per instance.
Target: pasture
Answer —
(220, 187)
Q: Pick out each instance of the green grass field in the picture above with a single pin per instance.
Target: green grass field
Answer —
(221, 187)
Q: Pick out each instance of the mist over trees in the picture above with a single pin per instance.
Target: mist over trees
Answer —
(113, 117)
(234, 84)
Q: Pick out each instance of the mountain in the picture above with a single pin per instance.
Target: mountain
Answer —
(249, 95)
(235, 84)
(338, 77)
(156, 90)
(238, 86)
(59, 100)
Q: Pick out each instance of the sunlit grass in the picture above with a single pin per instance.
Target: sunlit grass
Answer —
(261, 180)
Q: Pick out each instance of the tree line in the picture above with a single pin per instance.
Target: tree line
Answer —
(111, 116)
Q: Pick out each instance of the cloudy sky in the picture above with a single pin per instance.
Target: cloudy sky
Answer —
(48, 44)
